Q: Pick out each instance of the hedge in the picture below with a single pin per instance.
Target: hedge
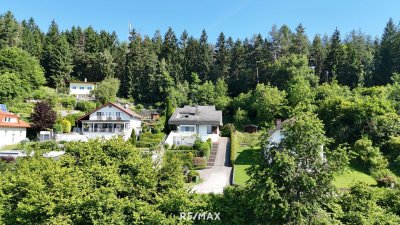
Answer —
(199, 162)
(234, 146)
(186, 158)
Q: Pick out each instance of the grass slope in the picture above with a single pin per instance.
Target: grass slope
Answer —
(352, 176)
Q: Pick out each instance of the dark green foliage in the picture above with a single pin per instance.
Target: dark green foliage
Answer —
(227, 130)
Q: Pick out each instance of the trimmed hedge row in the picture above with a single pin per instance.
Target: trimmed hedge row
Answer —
(234, 146)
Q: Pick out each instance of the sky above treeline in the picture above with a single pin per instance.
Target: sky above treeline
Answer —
(236, 18)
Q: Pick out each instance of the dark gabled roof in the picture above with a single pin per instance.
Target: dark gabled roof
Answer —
(81, 82)
(197, 115)
(122, 108)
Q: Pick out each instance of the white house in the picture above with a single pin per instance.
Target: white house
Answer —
(110, 119)
(12, 128)
(194, 122)
(81, 89)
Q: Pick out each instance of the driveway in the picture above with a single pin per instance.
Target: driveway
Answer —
(218, 176)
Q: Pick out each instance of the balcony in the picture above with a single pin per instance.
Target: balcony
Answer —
(107, 118)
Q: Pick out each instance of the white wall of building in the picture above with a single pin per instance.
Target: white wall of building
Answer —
(177, 138)
(110, 111)
(188, 138)
(87, 87)
(11, 135)
(204, 136)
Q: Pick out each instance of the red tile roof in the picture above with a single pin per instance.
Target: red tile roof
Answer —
(18, 123)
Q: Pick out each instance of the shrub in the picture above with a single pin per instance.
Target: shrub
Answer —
(385, 178)
(143, 144)
(186, 158)
(199, 162)
(85, 106)
(204, 148)
(166, 146)
(192, 176)
(58, 128)
(234, 145)
(227, 130)
(68, 102)
(184, 147)
(132, 139)
(66, 126)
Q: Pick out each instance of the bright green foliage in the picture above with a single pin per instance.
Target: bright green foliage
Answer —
(66, 126)
(85, 106)
(94, 183)
(369, 155)
(106, 91)
(293, 182)
(132, 139)
(10, 87)
(300, 92)
(26, 68)
(268, 103)
(287, 67)
(241, 118)
(363, 205)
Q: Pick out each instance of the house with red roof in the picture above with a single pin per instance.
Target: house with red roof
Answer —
(12, 128)
(110, 119)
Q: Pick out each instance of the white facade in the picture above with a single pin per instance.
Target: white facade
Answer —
(11, 135)
(81, 89)
(111, 119)
(187, 134)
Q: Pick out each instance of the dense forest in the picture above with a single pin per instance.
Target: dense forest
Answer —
(339, 91)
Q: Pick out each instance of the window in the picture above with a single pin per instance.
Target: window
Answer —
(187, 129)
(82, 88)
(209, 130)
(185, 115)
(89, 88)
(73, 87)
(7, 119)
(118, 114)
(99, 114)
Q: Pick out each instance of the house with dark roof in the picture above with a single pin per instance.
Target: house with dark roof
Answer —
(192, 122)
(12, 128)
(110, 119)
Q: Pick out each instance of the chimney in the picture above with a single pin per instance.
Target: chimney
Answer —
(278, 123)
(126, 106)
(85, 80)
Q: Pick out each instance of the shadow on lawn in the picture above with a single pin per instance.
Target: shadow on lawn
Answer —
(248, 157)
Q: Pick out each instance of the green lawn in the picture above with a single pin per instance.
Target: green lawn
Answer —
(352, 176)
(245, 157)
(9, 147)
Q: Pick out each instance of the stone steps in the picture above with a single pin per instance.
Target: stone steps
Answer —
(213, 155)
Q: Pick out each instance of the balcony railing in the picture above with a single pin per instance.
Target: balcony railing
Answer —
(108, 130)
(108, 118)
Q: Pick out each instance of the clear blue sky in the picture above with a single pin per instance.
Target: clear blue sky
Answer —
(236, 18)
